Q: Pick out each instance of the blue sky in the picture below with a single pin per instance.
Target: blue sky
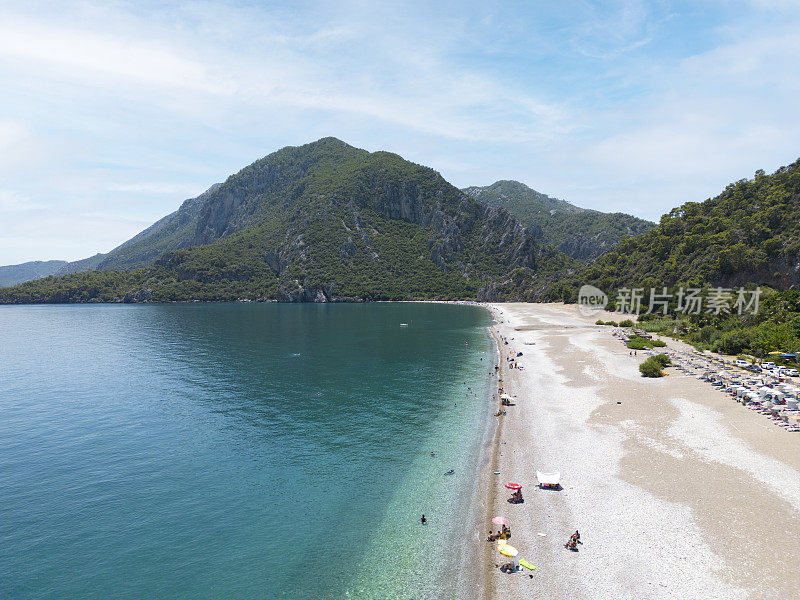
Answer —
(112, 113)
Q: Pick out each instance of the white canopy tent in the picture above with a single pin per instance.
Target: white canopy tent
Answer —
(548, 479)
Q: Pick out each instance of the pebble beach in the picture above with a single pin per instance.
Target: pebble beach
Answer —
(677, 490)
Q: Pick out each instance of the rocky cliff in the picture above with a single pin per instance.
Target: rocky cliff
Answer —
(578, 232)
(324, 222)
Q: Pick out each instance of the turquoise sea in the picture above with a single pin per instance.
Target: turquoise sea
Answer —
(237, 450)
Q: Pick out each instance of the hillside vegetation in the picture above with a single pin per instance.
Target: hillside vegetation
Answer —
(14, 274)
(775, 328)
(750, 233)
(578, 232)
(328, 222)
(319, 222)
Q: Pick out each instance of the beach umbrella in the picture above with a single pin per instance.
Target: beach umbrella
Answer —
(507, 550)
(513, 486)
(505, 397)
(510, 552)
(499, 520)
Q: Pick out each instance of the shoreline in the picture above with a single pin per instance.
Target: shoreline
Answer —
(468, 552)
(431, 562)
(491, 487)
(664, 478)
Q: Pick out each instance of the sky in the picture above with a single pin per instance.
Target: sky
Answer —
(112, 113)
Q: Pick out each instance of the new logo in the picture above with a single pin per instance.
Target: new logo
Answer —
(591, 300)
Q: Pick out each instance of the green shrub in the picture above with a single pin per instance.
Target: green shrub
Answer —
(708, 334)
(733, 342)
(662, 359)
(640, 343)
(654, 366)
(626, 323)
(599, 322)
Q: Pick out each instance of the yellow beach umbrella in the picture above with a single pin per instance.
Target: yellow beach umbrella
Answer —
(507, 550)
(510, 552)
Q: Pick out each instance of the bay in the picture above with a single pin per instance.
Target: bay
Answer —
(236, 450)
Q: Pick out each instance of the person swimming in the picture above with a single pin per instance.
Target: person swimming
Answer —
(450, 472)
(423, 520)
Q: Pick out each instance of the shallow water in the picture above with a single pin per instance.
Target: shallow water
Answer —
(235, 450)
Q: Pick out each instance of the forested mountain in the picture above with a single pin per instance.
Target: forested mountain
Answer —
(578, 232)
(14, 274)
(750, 233)
(327, 221)
(324, 221)
(85, 264)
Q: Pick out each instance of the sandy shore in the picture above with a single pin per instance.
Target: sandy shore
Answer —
(677, 490)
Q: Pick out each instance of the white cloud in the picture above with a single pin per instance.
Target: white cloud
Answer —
(288, 72)
(612, 28)
(712, 118)
(13, 201)
(138, 59)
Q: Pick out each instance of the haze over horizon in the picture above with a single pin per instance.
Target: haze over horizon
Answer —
(114, 113)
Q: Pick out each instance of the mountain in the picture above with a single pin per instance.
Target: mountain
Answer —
(14, 274)
(85, 264)
(750, 233)
(578, 232)
(320, 222)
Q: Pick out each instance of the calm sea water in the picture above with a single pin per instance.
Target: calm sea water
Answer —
(235, 450)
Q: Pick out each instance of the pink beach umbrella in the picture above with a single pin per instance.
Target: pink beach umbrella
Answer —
(499, 520)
